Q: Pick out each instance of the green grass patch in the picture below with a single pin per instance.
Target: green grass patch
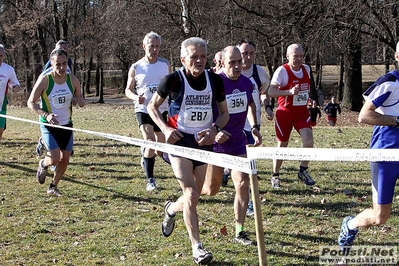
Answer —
(106, 217)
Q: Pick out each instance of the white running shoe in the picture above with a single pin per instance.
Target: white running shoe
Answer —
(168, 223)
(53, 191)
(202, 256)
(151, 184)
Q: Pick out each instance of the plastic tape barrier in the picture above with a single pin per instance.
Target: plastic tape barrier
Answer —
(318, 154)
(223, 160)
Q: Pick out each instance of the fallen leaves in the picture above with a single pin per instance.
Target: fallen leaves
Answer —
(223, 231)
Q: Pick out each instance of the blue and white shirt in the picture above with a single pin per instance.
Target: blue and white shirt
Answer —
(384, 94)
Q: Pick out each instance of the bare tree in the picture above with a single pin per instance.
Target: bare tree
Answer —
(114, 30)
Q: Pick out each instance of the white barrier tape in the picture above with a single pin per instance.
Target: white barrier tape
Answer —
(318, 154)
(223, 160)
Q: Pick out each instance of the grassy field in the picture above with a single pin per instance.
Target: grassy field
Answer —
(369, 73)
(106, 217)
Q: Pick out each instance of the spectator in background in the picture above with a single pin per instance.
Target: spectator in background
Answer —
(8, 79)
(143, 81)
(331, 110)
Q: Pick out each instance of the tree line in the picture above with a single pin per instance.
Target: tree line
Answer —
(107, 34)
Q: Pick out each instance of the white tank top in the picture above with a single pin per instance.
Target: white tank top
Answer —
(57, 99)
(147, 77)
(255, 95)
(196, 108)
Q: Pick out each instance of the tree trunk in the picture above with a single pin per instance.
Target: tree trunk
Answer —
(83, 83)
(64, 23)
(56, 21)
(125, 75)
(28, 74)
(353, 76)
(43, 44)
(88, 80)
(341, 77)
(98, 79)
(28, 68)
(318, 70)
(101, 99)
(37, 62)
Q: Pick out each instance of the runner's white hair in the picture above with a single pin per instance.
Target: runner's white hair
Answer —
(151, 35)
(193, 41)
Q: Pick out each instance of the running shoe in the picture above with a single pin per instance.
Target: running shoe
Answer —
(250, 210)
(243, 239)
(39, 147)
(53, 191)
(275, 182)
(225, 179)
(305, 178)
(202, 256)
(151, 184)
(41, 173)
(346, 236)
(168, 223)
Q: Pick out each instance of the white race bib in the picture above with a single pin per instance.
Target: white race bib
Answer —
(302, 98)
(237, 102)
(198, 116)
(61, 100)
(150, 90)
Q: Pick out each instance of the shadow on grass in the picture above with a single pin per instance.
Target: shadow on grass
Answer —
(222, 263)
(116, 194)
(317, 239)
(18, 165)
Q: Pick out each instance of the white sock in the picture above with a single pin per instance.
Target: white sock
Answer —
(171, 213)
(196, 246)
(351, 225)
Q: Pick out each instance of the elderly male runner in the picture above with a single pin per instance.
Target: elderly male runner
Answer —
(232, 139)
(144, 78)
(56, 91)
(191, 91)
(217, 60)
(291, 83)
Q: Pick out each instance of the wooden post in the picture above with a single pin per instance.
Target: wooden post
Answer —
(260, 238)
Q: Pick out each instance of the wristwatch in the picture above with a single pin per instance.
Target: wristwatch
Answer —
(217, 128)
